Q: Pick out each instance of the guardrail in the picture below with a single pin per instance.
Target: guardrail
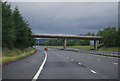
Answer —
(105, 53)
(116, 54)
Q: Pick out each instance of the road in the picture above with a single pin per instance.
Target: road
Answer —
(62, 64)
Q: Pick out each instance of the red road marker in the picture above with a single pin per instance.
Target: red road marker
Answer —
(46, 49)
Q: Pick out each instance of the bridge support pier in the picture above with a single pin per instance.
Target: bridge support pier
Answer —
(96, 44)
(64, 45)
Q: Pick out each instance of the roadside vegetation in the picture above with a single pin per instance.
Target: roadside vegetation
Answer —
(82, 47)
(15, 54)
(112, 49)
(17, 41)
(16, 32)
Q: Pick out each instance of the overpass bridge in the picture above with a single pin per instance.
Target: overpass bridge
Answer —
(65, 37)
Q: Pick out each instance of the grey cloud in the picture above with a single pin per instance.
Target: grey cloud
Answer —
(69, 17)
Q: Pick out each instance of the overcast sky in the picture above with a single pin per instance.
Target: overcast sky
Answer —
(68, 17)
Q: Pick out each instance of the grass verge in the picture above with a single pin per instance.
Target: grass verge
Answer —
(15, 54)
(112, 49)
(81, 47)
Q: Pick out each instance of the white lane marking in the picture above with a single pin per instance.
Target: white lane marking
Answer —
(110, 57)
(40, 69)
(80, 63)
(115, 63)
(72, 59)
(98, 59)
(93, 71)
(67, 57)
(89, 57)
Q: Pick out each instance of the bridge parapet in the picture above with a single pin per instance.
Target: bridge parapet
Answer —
(67, 36)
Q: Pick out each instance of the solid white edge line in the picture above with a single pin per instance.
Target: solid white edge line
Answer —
(40, 69)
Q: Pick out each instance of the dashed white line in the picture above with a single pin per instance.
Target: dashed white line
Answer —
(98, 59)
(93, 71)
(80, 63)
(115, 63)
(72, 59)
(110, 57)
(67, 57)
(89, 57)
(40, 68)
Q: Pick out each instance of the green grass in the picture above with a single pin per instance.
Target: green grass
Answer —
(113, 49)
(81, 47)
(14, 54)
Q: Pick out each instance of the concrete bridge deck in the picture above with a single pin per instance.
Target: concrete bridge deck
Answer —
(65, 37)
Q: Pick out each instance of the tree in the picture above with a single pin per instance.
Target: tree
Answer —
(118, 37)
(90, 34)
(23, 32)
(110, 36)
(8, 28)
(15, 31)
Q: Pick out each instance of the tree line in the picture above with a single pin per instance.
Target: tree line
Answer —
(15, 29)
(111, 36)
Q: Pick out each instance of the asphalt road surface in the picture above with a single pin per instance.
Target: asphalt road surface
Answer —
(62, 64)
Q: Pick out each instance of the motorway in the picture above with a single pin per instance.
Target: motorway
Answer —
(62, 64)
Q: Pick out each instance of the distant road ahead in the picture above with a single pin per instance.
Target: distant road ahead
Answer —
(63, 65)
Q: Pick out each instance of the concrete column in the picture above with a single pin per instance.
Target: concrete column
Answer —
(64, 45)
(96, 44)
